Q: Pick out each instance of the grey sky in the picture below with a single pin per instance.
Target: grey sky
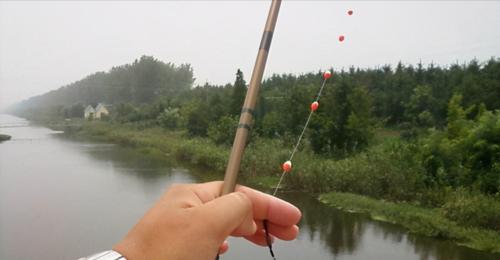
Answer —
(45, 45)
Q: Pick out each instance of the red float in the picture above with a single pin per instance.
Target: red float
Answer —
(314, 106)
(287, 166)
(341, 38)
(327, 75)
(350, 12)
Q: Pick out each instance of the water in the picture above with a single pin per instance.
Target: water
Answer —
(63, 199)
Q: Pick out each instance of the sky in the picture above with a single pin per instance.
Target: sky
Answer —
(46, 45)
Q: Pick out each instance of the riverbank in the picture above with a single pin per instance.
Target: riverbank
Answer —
(383, 173)
(4, 137)
(174, 145)
(418, 220)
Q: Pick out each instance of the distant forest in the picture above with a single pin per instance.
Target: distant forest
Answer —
(139, 82)
(402, 96)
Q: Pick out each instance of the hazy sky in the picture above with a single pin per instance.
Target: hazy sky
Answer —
(45, 45)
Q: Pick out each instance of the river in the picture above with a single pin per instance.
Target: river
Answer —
(64, 199)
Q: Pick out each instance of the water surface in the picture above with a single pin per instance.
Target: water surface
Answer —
(63, 199)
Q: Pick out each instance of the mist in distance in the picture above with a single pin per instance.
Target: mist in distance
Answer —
(46, 45)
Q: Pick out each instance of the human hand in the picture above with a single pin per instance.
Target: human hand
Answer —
(192, 221)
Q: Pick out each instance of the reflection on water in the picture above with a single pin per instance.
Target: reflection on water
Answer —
(62, 199)
(354, 236)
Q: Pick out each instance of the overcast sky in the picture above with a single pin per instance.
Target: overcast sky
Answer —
(45, 45)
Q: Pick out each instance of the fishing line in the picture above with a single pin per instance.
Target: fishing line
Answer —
(246, 116)
(287, 166)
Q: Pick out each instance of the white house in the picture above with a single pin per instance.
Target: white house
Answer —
(101, 110)
(89, 112)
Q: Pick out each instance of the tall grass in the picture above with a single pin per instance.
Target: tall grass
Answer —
(422, 221)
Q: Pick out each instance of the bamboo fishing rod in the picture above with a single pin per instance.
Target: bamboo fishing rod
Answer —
(247, 112)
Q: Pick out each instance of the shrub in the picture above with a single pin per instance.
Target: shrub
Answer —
(169, 118)
(473, 209)
(223, 131)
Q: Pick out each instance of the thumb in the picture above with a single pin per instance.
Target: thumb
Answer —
(230, 214)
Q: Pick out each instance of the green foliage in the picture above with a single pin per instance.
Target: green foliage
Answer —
(272, 125)
(418, 220)
(140, 82)
(467, 153)
(238, 95)
(169, 118)
(473, 209)
(390, 171)
(359, 122)
(198, 119)
(124, 112)
(74, 111)
(345, 124)
(418, 108)
(449, 120)
(386, 171)
(224, 130)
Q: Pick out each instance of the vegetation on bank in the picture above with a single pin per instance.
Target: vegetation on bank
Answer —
(422, 221)
(422, 136)
(387, 171)
(4, 137)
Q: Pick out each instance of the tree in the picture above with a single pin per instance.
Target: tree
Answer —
(238, 95)
(343, 124)
(223, 130)
(169, 118)
(417, 109)
(197, 119)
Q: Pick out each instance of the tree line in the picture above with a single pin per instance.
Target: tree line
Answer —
(450, 112)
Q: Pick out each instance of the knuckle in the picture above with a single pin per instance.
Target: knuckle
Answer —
(242, 198)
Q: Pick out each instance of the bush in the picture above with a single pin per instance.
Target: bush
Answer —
(386, 171)
(473, 209)
(169, 118)
(467, 154)
(223, 131)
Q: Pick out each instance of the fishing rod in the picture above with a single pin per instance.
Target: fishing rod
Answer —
(247, 115)
(248, 110)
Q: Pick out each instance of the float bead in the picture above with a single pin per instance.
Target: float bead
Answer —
(314, 106)
(287, 166)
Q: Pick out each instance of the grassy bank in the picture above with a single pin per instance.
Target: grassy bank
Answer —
(418, 220)
(175, 145)
(385, 172)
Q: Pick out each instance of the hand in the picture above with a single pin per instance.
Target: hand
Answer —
(192, 221)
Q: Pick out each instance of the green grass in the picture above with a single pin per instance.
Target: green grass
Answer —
(418, 220)
(383, 134)
(260, 165)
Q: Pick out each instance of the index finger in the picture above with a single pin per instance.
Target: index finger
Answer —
(264, 205)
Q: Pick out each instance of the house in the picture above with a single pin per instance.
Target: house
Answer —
(97, 113)
(89, 112)
(100, 111)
